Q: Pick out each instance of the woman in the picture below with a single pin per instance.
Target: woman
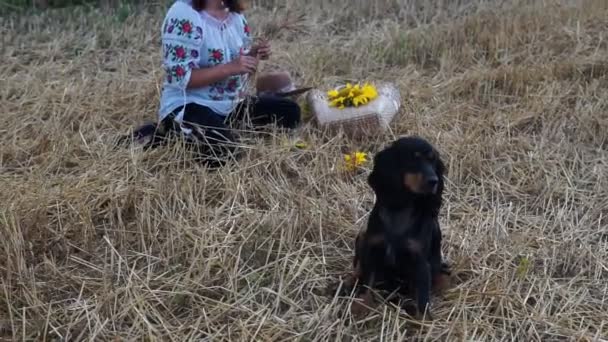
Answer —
(206, 61)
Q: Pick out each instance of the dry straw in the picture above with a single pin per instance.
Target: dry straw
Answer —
(100, 243)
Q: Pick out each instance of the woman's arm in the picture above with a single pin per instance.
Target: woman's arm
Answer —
(182, 39)
(206, 76)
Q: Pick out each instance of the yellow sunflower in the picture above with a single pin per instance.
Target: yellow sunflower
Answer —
(352, 96)
(355, 160)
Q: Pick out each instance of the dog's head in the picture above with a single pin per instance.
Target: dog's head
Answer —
(409, 168)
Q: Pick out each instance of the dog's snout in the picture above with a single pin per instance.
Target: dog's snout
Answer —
(431, 178)
(432, 181)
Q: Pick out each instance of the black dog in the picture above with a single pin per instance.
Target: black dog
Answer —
(400, 249)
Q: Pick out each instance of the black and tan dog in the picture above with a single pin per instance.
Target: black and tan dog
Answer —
(400, 249)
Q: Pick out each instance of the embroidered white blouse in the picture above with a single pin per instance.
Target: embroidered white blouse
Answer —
(192, 40)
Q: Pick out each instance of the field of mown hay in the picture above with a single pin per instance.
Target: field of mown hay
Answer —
(102, 243)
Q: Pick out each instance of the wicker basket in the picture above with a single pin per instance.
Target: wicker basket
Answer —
(374, 117)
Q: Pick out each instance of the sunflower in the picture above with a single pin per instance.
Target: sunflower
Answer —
(352, 95)
(355, 160)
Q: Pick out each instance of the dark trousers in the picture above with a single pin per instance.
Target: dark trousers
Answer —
(211, 135)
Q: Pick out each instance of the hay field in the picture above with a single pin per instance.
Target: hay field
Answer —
(100, 243)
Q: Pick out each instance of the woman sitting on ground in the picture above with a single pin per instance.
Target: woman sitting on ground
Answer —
(206, 64)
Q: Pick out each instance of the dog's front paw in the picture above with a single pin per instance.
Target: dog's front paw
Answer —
(342, 287)
(441, 282)
(424, 316)
(413, 311)
(362, 306)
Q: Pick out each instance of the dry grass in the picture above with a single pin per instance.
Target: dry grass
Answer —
(103, 244)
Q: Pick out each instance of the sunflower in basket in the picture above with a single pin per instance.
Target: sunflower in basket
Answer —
(352, 96)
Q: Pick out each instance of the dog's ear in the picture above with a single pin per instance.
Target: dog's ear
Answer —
(441, 171)
(384, 178)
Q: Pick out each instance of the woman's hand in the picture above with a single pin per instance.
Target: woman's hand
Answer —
(243, 64)
(262, 50)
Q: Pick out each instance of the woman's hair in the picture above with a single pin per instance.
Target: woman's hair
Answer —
(233, 5)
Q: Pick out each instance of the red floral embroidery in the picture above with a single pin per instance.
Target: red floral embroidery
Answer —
(216, 56)
(217, 91)
(187, 27)
(246, 28)
(184, 28)
(180, 52)
(232, 84)
(175, 73)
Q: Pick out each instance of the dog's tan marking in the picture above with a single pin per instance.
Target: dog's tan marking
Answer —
(413, 182)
